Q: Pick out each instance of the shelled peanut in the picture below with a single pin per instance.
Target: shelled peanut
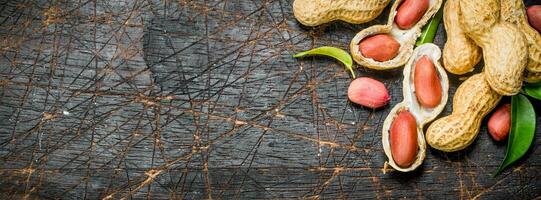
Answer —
(410, 12)
(403, 138)
(425, 89)
(500, 123)
(534, 17)
(381, 47)
(473, 100)
(427, 83)
(317, 12)
(406, 19)
(368, 92)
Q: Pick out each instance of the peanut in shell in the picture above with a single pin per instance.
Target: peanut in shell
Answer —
(513, 11)
(460, 53)
(422, 115)
(473, 100)
(317, 12)
(406, 38)
(505, 50)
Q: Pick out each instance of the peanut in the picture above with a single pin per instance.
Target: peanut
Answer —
(368, 92)
(534, 17)
(532, 77)
(317, 12)
(403, 136)
(405, 12)
(460, 54)
(500, 122)
(410, 12)
(472, 101)
(504, 47)
(397, 128)
(513, 11)
(381, 47)
(427, 83)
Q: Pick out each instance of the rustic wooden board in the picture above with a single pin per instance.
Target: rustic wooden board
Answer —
(202, 99)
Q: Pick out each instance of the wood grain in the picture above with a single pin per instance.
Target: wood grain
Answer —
(202, 99)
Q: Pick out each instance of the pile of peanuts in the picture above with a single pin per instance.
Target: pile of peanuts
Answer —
(502, 32)
(499, 32)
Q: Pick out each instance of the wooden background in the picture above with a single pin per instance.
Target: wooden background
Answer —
(202, 100)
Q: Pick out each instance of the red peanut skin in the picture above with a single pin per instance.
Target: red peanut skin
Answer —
(500, 123)
(410, 12)
(534, 17)
(381, 47)
(368, 92)
(403, 138)
(427, 83)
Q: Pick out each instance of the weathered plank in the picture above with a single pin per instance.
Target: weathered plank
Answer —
(202, 99)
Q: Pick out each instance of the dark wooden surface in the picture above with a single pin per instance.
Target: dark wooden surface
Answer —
(201, 99)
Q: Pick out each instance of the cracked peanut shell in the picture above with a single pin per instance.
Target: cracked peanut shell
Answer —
(406, 38)
(422, 115)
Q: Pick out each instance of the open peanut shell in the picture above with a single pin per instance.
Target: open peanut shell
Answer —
(422, 115)
(406, 38)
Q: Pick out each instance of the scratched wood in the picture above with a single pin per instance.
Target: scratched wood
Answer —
(202, 99)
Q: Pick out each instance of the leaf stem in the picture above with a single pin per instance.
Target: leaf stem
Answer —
(430, 29)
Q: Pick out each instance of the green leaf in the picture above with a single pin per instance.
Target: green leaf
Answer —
(334, 52)
(533, 90)
(522, 130)
(430, 29)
